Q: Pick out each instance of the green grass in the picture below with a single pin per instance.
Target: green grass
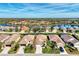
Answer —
(14, 49)
(29, 49)
(47, 50)
(56, 51)
(50, 48)
(1, 50)
(1, 46)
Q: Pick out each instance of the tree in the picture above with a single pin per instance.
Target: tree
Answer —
(16, 29)
(36, 29)
(10, 30)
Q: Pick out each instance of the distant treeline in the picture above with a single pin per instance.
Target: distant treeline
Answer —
(6, 20)
(39, 18)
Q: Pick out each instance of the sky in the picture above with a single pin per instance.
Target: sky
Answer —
(39, 10)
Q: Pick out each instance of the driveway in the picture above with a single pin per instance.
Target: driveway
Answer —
(21, 50)
(38, 49)
(77, 47)
(64, 31)
(5, 50)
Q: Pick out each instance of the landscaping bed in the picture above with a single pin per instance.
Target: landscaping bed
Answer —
(71, 50)
(50, 48)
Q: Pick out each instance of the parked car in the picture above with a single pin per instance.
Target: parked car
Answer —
(70, 44)
(61, 49)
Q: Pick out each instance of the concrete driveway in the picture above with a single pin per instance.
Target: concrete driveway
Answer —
(38, 49)
(21, 50)
(77, 47)
(64, 31)
(5, 50)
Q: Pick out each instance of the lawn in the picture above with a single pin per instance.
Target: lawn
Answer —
(77, 31)
(14, 49)
(1, 46)
(29, 49)
(47, 50)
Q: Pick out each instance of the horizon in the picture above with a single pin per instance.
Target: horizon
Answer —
(39, 10)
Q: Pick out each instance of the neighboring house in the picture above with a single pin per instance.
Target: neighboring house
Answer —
(27, 39)
(69, 38)
(13, 38)
(40, 39)
(57, 39)
(4, 28)
(4, 37)
(76, 27)
(24, 28)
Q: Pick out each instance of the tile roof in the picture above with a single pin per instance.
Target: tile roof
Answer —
(13, 37)
(69, 38)
(55, 38)
(26, 39)
(3, 37)
(40, 39)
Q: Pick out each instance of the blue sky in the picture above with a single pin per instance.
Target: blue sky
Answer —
(39, 10)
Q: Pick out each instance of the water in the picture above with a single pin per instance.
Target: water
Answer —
(67, 26)
(6, 25)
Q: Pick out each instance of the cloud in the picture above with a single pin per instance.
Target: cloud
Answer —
(39, 10)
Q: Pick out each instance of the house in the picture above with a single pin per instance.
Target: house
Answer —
(68, 38)
(57, 39)
(27, 39)
(3, 37)
(6, 28)
(24, 28)
(40, 39)
(12, 39)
